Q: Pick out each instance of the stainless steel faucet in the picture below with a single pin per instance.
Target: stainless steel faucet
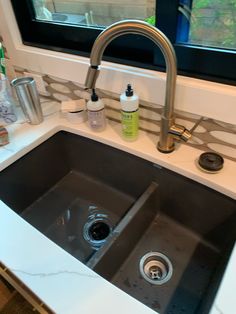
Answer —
(169, 130)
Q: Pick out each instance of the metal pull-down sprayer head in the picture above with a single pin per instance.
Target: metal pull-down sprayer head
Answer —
(166, 141)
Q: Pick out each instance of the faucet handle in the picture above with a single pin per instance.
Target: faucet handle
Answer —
(186, 135)
(180, 132)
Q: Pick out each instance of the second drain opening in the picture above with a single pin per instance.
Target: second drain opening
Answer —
(155, 268)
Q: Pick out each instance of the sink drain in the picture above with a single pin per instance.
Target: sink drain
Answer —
(99, 231)
(155, 268)
(96, 230)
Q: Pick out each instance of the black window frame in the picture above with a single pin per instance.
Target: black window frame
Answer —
(195, 61)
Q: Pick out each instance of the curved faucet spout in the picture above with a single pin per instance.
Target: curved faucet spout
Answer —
(166, 142)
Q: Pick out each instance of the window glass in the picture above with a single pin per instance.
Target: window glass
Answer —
(210, 23)
(203, 32)
(94, 13)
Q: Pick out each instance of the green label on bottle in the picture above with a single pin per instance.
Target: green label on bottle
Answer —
(129, 122)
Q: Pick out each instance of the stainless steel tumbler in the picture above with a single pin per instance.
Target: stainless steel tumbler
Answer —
(28, 97)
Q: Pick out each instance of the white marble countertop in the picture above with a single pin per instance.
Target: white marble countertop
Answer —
(58, 279)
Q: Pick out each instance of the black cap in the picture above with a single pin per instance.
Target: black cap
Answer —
(211, 161)
(94, 96)
(129, 91)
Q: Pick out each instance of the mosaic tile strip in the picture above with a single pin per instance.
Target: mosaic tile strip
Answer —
(210, 135)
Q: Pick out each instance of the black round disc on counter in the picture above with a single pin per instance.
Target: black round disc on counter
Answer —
(210, 161)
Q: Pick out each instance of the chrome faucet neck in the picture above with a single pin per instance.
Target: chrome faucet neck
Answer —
(166, 142)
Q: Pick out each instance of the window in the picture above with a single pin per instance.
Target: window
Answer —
(211, 23)
(203, 32)
(195, 28)
(91, 13)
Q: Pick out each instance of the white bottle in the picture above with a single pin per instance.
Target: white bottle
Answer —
(96, 113)
(129, 114)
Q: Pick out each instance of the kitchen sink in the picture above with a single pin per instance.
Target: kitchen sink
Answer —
(160, 237)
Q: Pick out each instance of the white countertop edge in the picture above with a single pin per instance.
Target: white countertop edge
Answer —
(26, 137)
(63, 283)
(225, 302)
(182, 160)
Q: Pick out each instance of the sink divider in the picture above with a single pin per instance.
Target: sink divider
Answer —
(126, 234)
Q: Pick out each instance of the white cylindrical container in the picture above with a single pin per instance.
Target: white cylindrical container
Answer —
(76, 117)
(129, 114)
(74, 110)
(96, 113)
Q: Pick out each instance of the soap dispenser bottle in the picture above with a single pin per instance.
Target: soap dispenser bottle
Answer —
(129, 114)
(96, 113)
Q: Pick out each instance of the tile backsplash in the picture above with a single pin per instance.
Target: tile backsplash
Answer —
(210, 135)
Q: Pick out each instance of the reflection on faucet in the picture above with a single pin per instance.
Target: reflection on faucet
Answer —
(169, 130)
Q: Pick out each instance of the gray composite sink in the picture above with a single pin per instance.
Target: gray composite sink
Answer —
(162, 238)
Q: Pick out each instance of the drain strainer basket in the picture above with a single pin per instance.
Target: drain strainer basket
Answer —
(155, 268)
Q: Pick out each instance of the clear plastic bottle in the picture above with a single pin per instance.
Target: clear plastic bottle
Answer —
(7, 102)
(129, 114)
(96, 113)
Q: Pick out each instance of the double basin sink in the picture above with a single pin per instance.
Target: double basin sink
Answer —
(160, 237)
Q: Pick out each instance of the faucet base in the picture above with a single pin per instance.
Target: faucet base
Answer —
(166, 150)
